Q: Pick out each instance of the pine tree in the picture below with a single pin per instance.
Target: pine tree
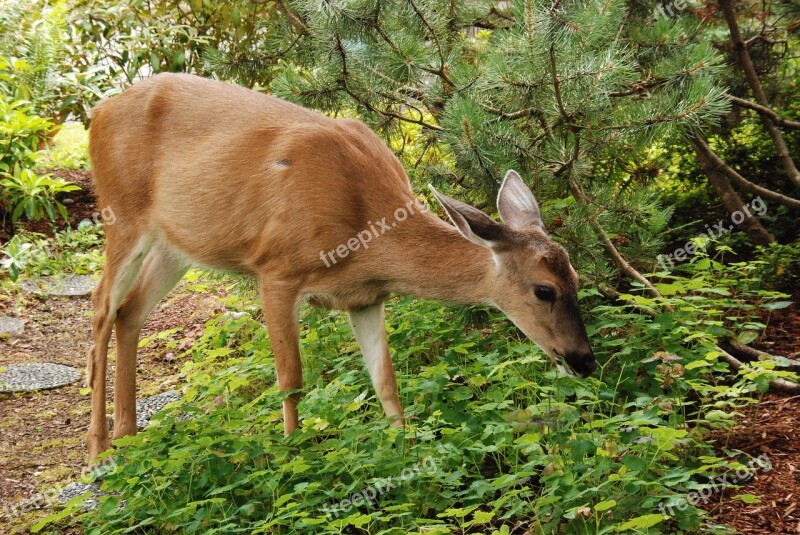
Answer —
(571, 93)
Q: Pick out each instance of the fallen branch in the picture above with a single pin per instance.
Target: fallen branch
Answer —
(747, 353)
(779, 385)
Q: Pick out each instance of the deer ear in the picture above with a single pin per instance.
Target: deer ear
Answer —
(473, 224)
(517, 205)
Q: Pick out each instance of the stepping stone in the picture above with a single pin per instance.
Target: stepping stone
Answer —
(11, 326)
(30, 377)
(67, 285)
(147, 407)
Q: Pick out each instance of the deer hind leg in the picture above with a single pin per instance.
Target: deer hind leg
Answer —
(280, 304)
(121, 270)
(161, 271)
(369, 326)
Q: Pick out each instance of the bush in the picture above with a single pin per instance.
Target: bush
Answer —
(68, 251)
(499, 440)
(22, 133)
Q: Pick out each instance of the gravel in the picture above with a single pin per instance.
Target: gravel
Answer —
(11, 326)
(78, 488)
(29, 377)
(67, 285)
(147, 407)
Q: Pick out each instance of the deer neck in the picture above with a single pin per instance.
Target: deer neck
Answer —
(433, 261)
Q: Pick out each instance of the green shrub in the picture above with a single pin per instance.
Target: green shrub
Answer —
(68, 251)
(34, 196)
(781, 265)
(494, 438)
(22, 133)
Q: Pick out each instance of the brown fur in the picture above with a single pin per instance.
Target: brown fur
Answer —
(203, 172)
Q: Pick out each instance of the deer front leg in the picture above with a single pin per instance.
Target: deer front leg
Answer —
(369, 327)
(280, 304)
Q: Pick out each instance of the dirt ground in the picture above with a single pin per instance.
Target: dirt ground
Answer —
(42, 434)
(42, 443)
(768, 428)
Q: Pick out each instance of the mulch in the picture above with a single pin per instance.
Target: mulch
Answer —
(768, 428)
(42, 434)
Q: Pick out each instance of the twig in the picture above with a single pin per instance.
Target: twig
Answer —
(441, 72)
(779, 385)
(763, 110)
(294, 20)
(557, 83)
(701, 145)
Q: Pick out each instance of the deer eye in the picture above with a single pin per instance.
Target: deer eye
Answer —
(545, 293)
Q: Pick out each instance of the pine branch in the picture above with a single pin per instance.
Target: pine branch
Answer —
(616, 257)
(557, 84)
(293, 19)
(442, 71)
(764, 110)
(384, 113)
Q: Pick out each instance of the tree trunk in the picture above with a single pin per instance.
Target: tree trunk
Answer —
(749, 70)
(733, 203)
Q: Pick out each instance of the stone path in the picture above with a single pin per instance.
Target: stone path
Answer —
(30, 377)
(11, 326)
(68, 285)
(145, 409)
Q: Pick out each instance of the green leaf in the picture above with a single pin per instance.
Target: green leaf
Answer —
(747, 498)
(642, 522)
(777, 305)
(745, 337)
(605, 505)
(155, 62)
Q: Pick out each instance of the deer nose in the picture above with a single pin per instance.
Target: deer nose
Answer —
(582, 363)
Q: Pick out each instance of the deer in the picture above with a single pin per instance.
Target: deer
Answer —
(199, 172)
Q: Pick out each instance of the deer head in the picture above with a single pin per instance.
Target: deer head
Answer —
(534, 283)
